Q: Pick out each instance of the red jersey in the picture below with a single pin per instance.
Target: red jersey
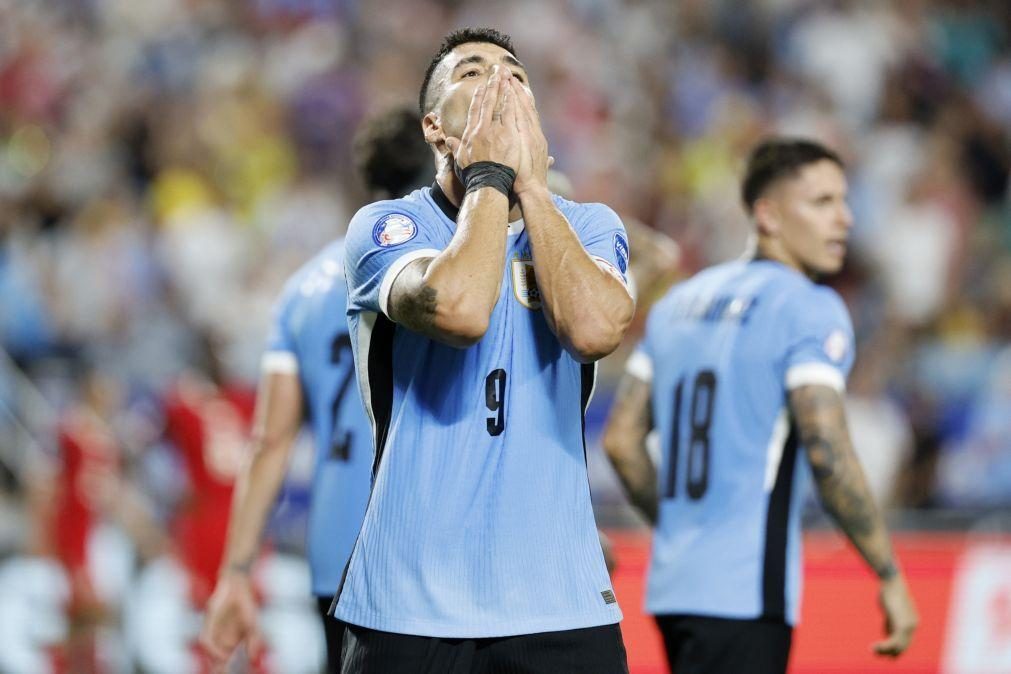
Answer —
(90, 458)
(210, 428)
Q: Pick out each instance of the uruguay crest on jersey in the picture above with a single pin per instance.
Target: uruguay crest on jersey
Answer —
(525, 280)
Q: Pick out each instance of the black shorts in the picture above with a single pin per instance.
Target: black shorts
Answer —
(334, 630)
(593, 650)
(704, 645)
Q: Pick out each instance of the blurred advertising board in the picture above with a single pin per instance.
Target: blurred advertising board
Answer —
(962, 585)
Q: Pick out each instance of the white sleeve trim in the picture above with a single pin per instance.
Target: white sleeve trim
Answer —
(640, 366)
(815, 374)
(279, 362)
(394, 270)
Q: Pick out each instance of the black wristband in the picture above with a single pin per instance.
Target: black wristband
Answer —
(488, 174)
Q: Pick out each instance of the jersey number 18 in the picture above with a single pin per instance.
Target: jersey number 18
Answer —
(699, 421)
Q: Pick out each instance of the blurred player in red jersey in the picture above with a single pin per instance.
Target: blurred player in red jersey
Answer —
(90, 465)
(76, 504)
(208, 424)
(82, 491)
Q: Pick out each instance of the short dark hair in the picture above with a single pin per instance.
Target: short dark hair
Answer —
(451, 42)
(777, 158)
(390, 153)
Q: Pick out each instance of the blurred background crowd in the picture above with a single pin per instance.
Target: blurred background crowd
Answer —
(164, 165)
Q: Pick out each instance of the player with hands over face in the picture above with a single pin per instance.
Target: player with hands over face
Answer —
(477, 308)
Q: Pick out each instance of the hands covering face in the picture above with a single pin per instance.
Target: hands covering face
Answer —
(503, 127)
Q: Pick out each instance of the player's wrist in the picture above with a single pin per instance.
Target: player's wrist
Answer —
(887, 572)
(531, 192)
(236, 569)
(487, 174)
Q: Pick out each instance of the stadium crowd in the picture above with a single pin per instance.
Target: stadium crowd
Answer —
(165, 165)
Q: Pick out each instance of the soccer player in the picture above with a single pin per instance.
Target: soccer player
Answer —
(742, 370)
(477, 308)
(308, 369)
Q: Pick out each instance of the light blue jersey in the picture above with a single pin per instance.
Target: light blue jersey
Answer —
(722, 351)
(480, 522)
(310, 338)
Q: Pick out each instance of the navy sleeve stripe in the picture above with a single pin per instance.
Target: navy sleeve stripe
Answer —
(380, 374)
(776, 530)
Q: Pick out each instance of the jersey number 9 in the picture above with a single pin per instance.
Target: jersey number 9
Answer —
(494, 400)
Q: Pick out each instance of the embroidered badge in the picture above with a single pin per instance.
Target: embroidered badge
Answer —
(393, 230)
(525, 282)
(836, 345)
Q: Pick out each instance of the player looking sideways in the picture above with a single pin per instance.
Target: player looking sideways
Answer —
(308, 372)
(741, 367)
(477, 308)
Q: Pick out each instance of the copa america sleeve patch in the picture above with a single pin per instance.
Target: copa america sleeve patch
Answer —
(836, 345)
(393, 230)
(621, 252)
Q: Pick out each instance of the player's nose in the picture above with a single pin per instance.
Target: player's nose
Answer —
(845, 216)
(497, 69)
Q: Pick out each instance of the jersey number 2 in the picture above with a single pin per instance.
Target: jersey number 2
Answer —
(340, 445)
(700, 419)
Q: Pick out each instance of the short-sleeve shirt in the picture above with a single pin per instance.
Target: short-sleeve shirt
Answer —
(309, 337)
(722, 351)
(480, 522)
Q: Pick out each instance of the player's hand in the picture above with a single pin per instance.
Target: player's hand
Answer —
(231, 619)
(491, 132)
(534, 162)
(901, 618)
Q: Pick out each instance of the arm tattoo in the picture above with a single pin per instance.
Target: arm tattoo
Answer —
(629, 423)
(412, 302)
(417, 309)
(821, 421)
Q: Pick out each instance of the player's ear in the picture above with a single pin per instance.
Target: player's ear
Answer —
(434, 134)
(766, 216)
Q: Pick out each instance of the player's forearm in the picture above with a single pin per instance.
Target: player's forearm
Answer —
(840, 480)
(638, 478)
(256, 489)
(588, 309)
(468, 273)
(624, 442)
(452, 299)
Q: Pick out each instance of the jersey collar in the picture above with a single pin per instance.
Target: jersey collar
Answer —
(443, 202)
(451, 211)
